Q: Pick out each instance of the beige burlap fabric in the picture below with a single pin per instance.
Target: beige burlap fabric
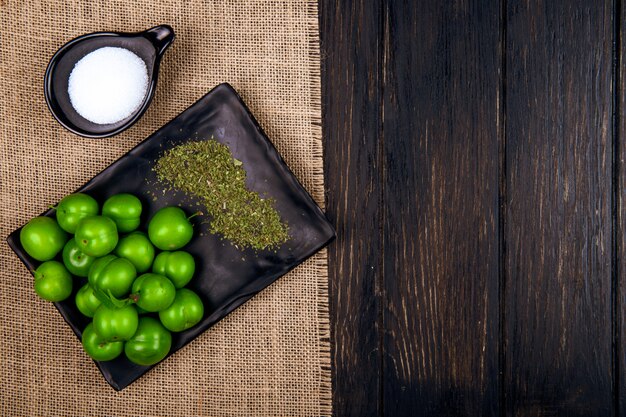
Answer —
(270, 357)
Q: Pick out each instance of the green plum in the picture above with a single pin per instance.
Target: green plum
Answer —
(98, 348)
(115, 324)
(42, 238)
(153, 292)
(97, 267)
(185, 312)
(114, 274)
(150, 344)
(170, 229)
(53, 282)
(178, 266)
(96, 235)
(136, 247)
(76, 261)
(73, 208)
(125, 210)
(86, 301)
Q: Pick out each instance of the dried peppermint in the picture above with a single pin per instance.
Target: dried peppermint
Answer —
(207, 171)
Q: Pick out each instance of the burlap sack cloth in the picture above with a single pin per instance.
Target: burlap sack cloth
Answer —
(270, 357)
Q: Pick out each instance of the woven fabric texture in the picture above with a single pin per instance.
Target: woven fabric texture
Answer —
(271, 357)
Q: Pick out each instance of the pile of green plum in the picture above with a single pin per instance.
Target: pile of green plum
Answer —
(134, 295)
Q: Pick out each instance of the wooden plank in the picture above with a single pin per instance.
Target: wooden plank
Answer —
(619, 188)
(558, 330)
(351, 84)
(441, 195)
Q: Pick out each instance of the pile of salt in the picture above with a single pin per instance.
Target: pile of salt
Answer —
(108, 85)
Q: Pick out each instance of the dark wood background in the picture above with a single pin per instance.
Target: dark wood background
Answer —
(474, 173)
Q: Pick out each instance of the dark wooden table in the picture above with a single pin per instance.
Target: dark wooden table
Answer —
(475, 175)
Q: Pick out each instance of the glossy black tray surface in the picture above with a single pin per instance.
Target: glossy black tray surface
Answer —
(226, 277)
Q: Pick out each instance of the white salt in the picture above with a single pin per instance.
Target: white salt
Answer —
(108, 85)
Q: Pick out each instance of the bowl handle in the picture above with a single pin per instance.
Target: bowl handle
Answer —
(161, 37)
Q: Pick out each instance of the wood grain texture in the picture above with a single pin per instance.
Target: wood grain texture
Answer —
(352, 85)
(558, 331)
(619, 182)
(441, 189)
(477, 184)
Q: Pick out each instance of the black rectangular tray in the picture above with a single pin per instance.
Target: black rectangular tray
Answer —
(226, 277)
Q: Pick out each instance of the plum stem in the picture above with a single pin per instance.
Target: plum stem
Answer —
(197, 213)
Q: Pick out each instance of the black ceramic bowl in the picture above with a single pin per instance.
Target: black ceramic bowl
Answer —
(148, 45)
